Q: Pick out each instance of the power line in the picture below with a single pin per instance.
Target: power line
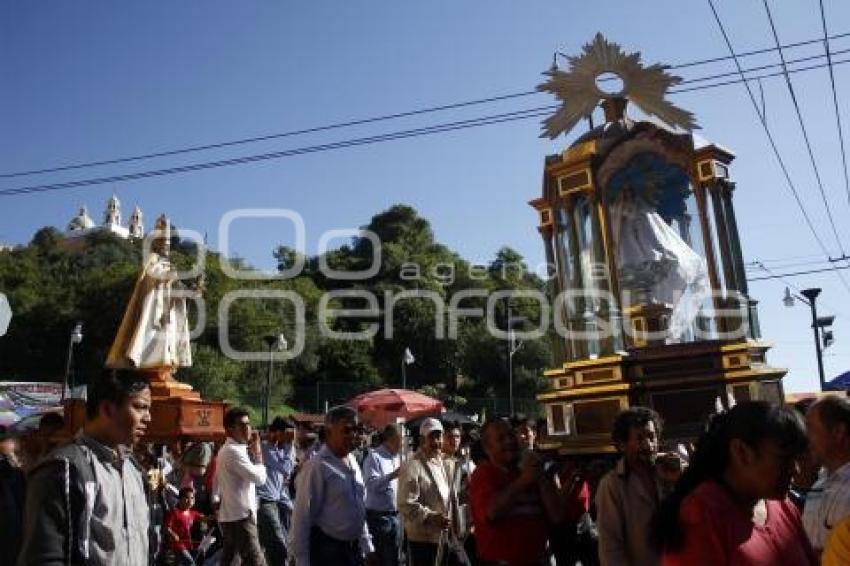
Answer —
(803, 126)
(395, 116)
(798, 273)
(451, 126)
(772, 273)
(786, 265)
(784, 278)
(783, 259)
(268, 137)
(772, 141)
(757, 77)
(758, 68)
(403, 134)
(742, 54)
(834, 99)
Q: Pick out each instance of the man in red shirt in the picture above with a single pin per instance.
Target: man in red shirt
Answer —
(513, 501)
(179, 525)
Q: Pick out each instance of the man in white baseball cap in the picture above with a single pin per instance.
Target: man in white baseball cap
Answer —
(425, 497)
(428, 426)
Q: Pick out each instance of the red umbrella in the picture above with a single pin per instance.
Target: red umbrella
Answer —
(381, 407)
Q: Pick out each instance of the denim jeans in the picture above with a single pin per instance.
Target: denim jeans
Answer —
(386, 537)
(328, 551)
(272, 532)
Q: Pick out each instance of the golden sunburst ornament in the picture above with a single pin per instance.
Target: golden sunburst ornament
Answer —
(579, 91)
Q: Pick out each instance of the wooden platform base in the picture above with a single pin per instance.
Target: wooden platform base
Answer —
(176, 411)
(683, 382)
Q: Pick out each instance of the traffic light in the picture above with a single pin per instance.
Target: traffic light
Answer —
(828, 339)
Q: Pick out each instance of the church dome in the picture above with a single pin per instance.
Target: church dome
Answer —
(82, 221)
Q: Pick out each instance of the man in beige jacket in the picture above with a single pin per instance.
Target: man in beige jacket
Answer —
(425, 495)
(629, 495)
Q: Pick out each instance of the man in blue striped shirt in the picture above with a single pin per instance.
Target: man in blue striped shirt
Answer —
(329, 519)
(380, 473)
(275, 504)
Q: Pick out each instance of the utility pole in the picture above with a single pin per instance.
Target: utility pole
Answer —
(271, 341)
(812, 295)
(513, 348)
(810, 299)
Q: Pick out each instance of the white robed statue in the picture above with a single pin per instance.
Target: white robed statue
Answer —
(655, 261)
(154, 333)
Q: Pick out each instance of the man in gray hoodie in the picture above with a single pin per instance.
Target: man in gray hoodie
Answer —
(86, 501)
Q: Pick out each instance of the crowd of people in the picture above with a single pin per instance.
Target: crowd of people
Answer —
(763, 485)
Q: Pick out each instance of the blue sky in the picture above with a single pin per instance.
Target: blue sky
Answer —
(82, 81)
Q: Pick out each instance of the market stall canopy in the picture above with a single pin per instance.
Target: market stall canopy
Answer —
(22, 399)
(384, 406)
(8, 416)
(839, 383)
(29, 424)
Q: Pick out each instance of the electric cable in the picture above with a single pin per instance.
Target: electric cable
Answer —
(835, 99)
(536, 112)
(364, 121)
(789, 181)
(451, 126)
(798, 273)
(803, 129)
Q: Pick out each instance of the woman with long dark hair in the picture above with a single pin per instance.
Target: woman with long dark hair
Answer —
(731, 506)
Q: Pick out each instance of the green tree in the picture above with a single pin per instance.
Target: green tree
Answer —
(52, 286)
(214, 375)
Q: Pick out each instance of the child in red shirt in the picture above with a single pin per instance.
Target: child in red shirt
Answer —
(179, 524)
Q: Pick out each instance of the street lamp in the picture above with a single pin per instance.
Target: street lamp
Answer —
(281, 344)
(810, 299)
(76, 338)
(406, 359)
(513, 347)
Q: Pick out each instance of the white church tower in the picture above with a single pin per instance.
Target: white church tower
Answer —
(112, 219)
(136, 228)
(112, 214)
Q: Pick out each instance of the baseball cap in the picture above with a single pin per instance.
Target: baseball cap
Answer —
(430, 425)
(198, 454)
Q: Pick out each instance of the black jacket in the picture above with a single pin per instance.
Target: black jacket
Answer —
(55, 496)
(12, 489)
(60, 506)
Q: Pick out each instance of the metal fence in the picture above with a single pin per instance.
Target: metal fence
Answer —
(318, 398)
